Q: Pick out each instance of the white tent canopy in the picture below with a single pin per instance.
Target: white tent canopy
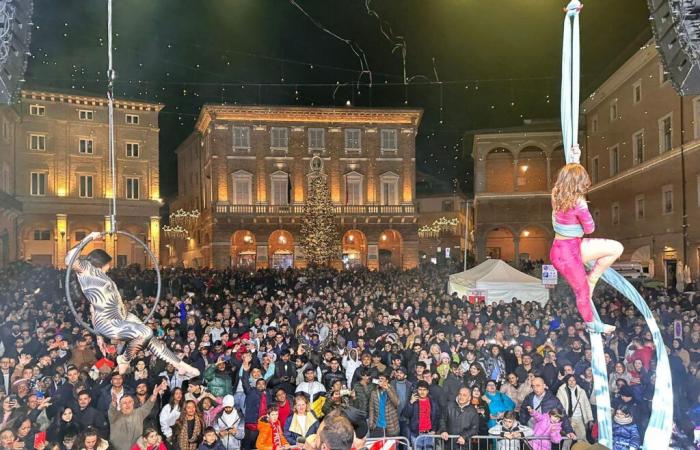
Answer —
(500, 282)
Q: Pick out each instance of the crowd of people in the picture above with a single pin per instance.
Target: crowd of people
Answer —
(321, 359)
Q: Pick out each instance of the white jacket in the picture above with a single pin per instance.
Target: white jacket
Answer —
(168, 418)
(580, 400)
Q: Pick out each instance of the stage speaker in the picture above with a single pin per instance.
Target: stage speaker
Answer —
(15, 35)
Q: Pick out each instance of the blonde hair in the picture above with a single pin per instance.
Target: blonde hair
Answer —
(571, 185)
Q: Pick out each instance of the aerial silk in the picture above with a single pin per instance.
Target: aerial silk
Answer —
(658, 433)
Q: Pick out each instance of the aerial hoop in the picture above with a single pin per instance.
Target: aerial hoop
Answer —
(79, 250)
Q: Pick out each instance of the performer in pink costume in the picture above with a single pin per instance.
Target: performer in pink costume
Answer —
(570, 251)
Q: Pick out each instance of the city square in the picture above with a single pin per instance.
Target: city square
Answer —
(361, 224)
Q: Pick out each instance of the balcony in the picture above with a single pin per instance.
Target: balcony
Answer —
(298, 210)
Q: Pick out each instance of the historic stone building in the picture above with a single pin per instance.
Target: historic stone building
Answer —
(55, 176)
(245, 168)
(514, 171)
(643, 154)
(10, 208)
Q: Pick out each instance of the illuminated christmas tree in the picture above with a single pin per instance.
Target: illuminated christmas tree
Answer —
(319, 229)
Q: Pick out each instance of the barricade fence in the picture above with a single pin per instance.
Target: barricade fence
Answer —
(488, 442)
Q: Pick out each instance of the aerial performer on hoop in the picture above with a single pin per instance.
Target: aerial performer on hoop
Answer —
(583, 261)
(110, 318)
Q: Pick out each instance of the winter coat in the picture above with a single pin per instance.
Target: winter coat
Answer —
(580, 400)
(517, 394)
(363, 395)
(452, 385)
(168, 417)
(548, 403)
(219, 383)
(330, 377)
(545, 427)
(217, 446)
(265, 436)
(412, 413)
(510, 444)
(498, 403)
(625, 436)
(391, 411)
(231, 429)
(460, 420)
(293, 430)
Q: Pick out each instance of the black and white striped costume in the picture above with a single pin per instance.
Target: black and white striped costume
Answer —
(110, 317)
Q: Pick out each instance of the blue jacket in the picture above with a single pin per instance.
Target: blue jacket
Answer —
(626, 436)
(411, 412)
(252, 401)
(500, 403)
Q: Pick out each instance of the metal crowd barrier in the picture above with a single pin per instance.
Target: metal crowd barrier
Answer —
(489, 442)
(400, 440)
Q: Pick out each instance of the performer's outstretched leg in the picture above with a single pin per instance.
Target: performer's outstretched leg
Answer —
(140, 336)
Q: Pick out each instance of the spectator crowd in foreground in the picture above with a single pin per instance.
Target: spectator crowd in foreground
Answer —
(284, 354)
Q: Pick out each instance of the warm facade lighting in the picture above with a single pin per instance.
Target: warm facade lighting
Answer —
(524, 168)
(61, 192)
(384, 237)
(282, 240)
(526, 233)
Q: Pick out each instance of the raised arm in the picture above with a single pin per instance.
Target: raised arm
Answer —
(80, 265)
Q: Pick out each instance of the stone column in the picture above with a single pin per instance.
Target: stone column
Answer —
(549, 172)
(154, 238)
(516, 251)
(515, 175)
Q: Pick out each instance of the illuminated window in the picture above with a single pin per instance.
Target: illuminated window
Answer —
(279, 182)
(389, 185)
(353, 189)
(242, 183)
(85, 146)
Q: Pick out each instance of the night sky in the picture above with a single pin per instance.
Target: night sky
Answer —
(471, 64)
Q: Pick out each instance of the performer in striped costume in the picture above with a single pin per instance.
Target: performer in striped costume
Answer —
(110, 318)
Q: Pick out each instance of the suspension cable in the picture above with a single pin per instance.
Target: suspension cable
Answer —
(110, 107)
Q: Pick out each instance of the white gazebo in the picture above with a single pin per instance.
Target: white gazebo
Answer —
(498, 281)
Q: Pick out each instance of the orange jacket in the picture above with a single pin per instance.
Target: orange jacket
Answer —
(265, 441)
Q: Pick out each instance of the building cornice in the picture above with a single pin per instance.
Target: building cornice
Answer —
(629, 69)
(296, 115)
(81, 100)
